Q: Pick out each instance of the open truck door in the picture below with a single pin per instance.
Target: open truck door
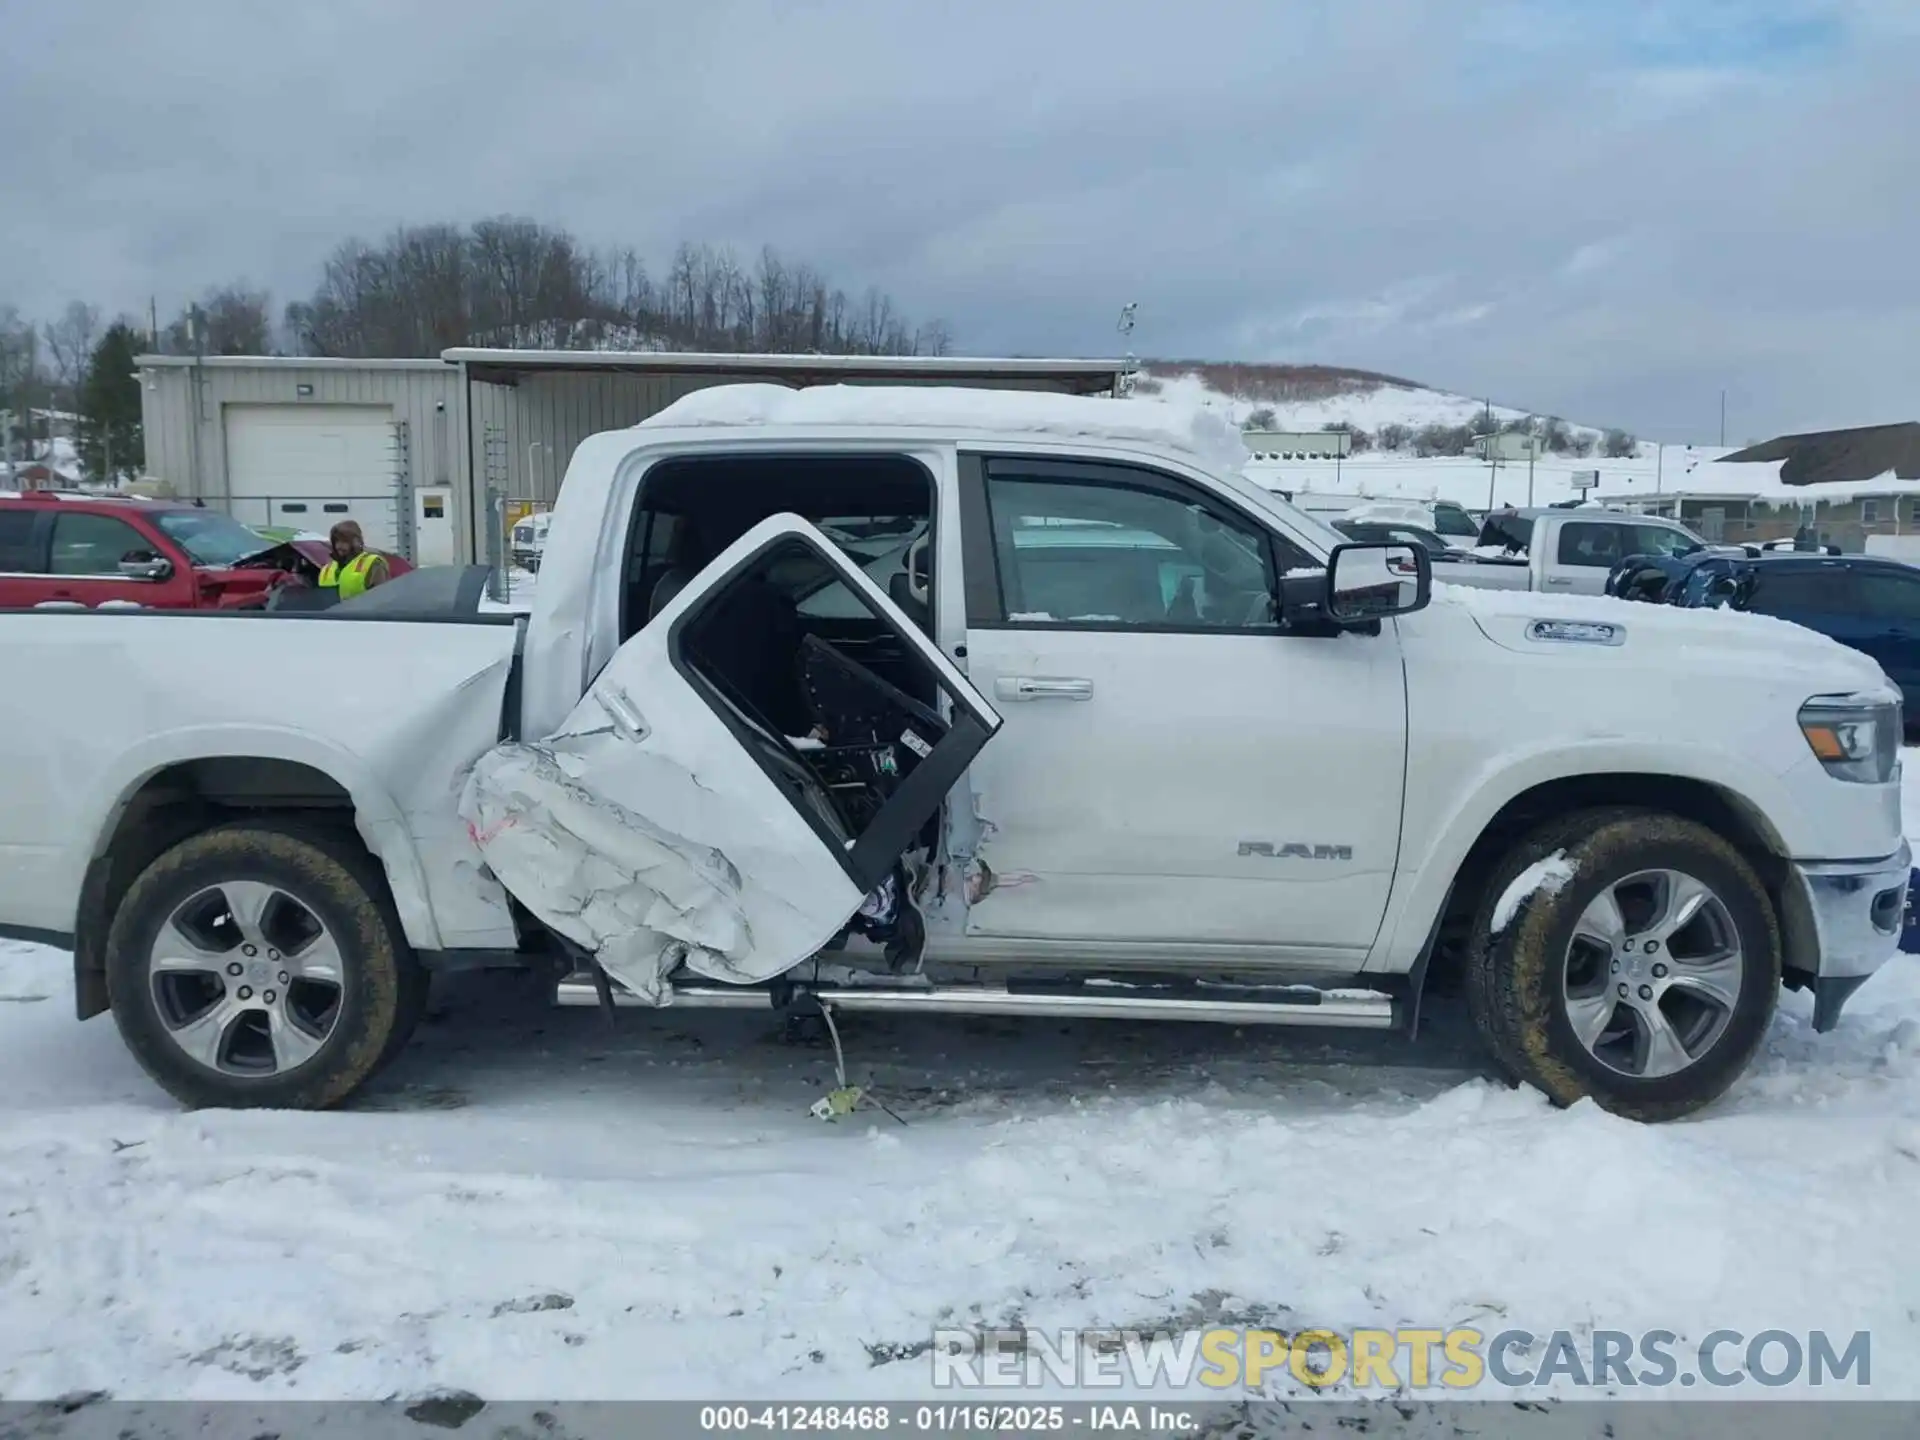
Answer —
(687, 815)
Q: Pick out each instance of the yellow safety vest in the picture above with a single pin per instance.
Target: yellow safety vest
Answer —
(351, 578)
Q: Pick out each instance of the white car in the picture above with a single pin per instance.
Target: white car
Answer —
(1102, 728)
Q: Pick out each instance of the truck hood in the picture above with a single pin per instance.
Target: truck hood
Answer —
(1700, 640)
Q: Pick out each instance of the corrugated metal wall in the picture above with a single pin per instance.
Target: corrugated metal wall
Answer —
(544, 418)
(426, 397)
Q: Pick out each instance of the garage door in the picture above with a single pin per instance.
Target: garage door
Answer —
(308, 466)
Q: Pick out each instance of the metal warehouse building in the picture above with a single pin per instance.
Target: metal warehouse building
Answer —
(425, 453)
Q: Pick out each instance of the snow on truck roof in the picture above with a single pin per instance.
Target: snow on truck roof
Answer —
(1188, 428)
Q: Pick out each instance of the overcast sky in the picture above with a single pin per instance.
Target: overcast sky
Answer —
(1607, 209)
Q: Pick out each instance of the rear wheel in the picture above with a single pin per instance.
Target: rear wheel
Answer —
(1625, 955)
(262, 965)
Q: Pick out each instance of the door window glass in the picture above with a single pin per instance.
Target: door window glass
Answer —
(1797, 590)
(1592, 543)
(94, 544)
(1091, 553)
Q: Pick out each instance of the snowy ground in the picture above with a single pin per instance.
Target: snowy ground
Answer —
(520, 592)
(535, 1204)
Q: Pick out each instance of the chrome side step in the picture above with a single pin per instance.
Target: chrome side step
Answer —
(1281, 1005)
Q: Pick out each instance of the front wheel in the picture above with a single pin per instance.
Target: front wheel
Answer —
(261, 965)
(1626, 955)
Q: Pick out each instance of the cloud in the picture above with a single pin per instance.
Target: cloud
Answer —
(1608, 209)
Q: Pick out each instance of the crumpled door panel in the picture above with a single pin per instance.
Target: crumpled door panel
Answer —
(648, 836)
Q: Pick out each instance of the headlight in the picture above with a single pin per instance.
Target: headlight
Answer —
(1855, 740)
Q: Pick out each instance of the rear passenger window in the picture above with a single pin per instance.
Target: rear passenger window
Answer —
(1798, 591)
(17, 555)
(1589, 542)
(1656, 540)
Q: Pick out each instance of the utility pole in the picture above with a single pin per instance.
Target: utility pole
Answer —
(1128, 313)
(1659, 464)
(1723, 417)
(1533, 446)
(1493, 455)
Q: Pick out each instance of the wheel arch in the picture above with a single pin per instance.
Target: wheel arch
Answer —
(1716, 805)
(176, 786)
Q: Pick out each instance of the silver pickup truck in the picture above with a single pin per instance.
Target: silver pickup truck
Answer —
(1572, 551)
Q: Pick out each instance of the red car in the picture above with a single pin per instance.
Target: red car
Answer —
(60, 548)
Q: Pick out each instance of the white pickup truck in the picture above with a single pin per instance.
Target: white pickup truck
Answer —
(1568, 550)
(749, 748)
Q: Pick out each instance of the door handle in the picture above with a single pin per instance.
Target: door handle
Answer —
(1559, 580)
(1039, 687)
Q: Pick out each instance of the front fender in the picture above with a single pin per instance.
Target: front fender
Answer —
(1446, 815)
(377, 815)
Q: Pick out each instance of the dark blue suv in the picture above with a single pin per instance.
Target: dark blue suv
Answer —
(1867, 603)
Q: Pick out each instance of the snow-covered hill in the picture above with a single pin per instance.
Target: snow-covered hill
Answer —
(1308, 398)
(1320, 397)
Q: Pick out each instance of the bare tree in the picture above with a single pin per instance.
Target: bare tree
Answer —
(22, 385)
(227, 320)
(70, 341)
(512, 281)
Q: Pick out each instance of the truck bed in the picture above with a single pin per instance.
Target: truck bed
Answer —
(391, 709)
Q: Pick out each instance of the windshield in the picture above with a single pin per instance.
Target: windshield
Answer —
(876, 543)
(210, 538)
(1454, 520)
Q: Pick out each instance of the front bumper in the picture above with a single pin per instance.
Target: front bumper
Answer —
(1843, 923)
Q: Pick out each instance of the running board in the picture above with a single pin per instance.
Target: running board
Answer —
(1232, 1005)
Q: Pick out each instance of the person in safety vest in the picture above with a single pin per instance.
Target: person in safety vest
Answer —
(354, 568)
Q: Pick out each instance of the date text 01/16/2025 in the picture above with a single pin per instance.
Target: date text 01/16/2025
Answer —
(958, 1419)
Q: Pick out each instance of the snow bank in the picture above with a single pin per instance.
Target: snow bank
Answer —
(1190, 429)
(1547, 876)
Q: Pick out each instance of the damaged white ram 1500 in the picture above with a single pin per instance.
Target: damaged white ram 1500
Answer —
(749, 747)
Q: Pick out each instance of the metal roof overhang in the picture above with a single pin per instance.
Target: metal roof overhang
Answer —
(1075, 377)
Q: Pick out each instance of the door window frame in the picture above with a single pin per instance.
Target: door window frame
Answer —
(1843, 594)
(980, 539)
(874, 851)
(641, 516)
(150, 543)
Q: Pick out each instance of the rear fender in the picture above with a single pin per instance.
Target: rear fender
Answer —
(377, 816)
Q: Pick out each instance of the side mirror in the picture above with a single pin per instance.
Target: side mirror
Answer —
(141, 565)
(1373, 581)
